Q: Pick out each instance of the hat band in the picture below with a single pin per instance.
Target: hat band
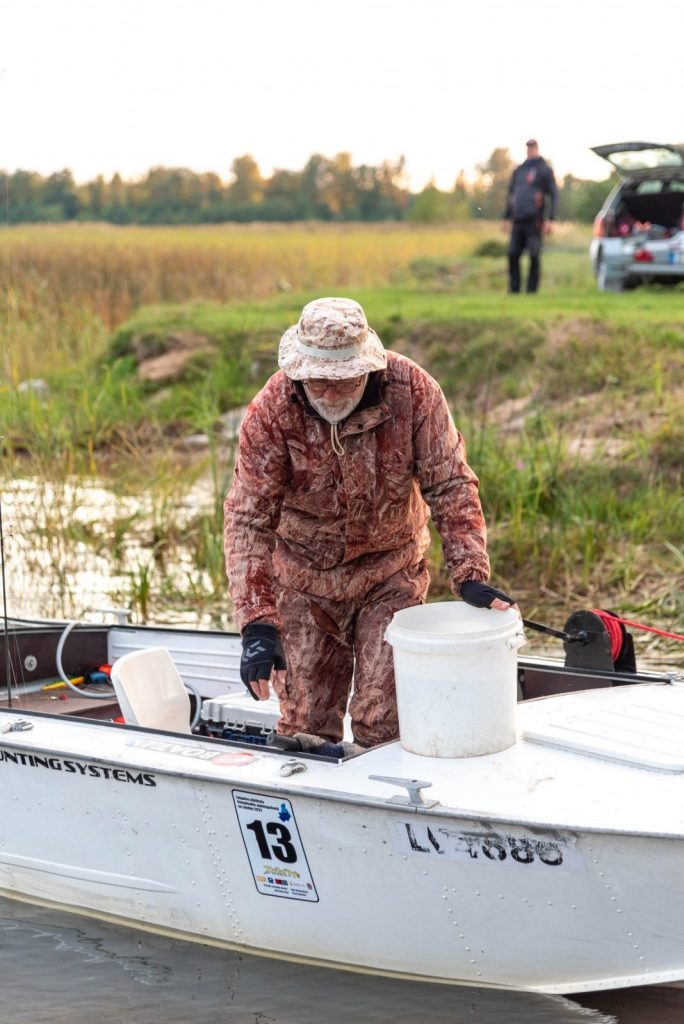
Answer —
(329, 353)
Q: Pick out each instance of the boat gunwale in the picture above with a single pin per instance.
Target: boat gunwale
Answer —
(396, 802)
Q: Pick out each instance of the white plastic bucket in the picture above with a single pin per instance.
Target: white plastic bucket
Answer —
(455, 669)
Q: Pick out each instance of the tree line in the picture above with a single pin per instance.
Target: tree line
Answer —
(326, 189)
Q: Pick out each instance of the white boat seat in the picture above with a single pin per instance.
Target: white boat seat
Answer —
(150, 690)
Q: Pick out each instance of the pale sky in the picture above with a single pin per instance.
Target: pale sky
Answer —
(99, 87)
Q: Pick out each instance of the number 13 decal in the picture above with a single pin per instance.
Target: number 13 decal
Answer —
(283, 849)
(274, 847)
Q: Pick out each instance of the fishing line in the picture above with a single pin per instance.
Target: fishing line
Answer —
(8, 665)
(2, 439)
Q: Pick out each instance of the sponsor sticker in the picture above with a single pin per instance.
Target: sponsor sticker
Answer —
(233, 758)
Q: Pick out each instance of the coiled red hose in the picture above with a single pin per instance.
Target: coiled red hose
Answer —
(613, 623)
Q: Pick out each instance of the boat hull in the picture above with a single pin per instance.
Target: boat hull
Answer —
(552, 865)
(379, 885)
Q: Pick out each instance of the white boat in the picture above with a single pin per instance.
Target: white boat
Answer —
(554, 864)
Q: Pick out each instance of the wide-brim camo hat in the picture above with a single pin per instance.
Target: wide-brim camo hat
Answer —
(333, 341)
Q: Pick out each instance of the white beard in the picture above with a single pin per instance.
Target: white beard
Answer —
(338, 409)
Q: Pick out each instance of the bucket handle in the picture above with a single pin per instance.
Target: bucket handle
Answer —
(517, 640)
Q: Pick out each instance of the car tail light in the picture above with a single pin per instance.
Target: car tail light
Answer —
(643, 256)
(604, 225)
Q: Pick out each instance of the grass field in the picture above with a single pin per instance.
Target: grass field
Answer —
(570, 400)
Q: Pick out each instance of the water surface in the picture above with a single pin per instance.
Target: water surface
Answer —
(60, 968)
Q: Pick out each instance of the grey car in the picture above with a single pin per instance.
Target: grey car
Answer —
(639, 231)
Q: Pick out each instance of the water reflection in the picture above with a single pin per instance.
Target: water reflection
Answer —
(75, 547)
(64, 969)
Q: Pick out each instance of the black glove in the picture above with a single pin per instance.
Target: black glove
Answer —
(262, 651)
(481, 595)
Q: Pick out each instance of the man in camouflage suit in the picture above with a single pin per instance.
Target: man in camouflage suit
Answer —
(344, 454)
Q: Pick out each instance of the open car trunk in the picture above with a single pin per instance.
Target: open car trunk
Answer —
(661, 208)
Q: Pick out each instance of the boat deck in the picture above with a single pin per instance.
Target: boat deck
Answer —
(62, 702)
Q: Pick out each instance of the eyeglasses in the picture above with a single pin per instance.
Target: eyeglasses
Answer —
(318, 386)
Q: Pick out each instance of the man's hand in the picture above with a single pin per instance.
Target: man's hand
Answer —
(548, 227)
(482, 595)
(262, 652)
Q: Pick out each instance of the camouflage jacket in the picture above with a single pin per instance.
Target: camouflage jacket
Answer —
(336, 526)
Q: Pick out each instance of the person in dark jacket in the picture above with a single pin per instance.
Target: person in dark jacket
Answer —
(530, 209)
(344, 454)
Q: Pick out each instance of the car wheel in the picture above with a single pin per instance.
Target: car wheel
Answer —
(605, 281)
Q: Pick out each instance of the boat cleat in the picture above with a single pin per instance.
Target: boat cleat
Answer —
(21, 725)
(413, 786)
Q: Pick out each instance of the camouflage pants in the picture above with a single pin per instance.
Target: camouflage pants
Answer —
(329, 642)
